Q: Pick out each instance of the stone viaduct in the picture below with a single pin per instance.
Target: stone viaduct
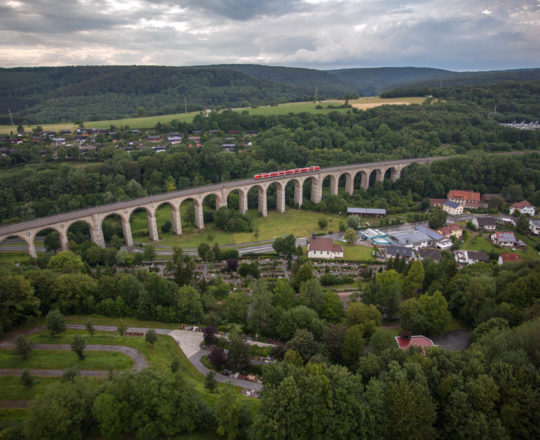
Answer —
(94, 216)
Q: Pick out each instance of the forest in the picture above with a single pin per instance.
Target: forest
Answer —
(86, 93)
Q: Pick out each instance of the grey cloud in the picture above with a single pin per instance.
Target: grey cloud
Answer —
(246, 9)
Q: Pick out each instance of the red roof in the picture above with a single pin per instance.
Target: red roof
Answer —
(510, 258)
(414, 341)
(447, 230)
(522, 204)
(463, 194)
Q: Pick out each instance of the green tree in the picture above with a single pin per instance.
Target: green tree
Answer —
(312, 295)
(189, 305)
(303, 343)
(522, 224)
(149, 253)
(333, 339)
(284, 295)
(322, 222)
(107, 411)
(236, 309)
(210, 381)
(332, 307)
(414, 279)
(66, 262)
(56, 322)
(27, 379)
(435, 310)
(75, 292)
(230, 415)
(380, 340)
(17, 301)
(78, 346)
(121, 328)
(304, 273)
(354, 221)
(286, 245)
(365, 315)
(181, 267)
(353, 346)
(350, 236)
(23, 346)
(238, 355)
(204, 251)
(412, 317)
(150, 336)
(90, 328)
(52, 241)
(260, 313)
(437, 218)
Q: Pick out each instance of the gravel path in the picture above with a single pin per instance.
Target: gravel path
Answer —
(455, 340)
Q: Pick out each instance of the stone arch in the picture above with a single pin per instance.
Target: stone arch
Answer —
(76, 233)
(175, 214)
(361, 180)
(331, 182)
(237, 201)
(393, 173)
(60, 228)
(279, 187)
(194, 214)
(375, 175)
(109, 228)
(260, 190)
(313, 189)
(27, 238)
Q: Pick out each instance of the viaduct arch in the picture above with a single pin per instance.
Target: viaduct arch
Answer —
(94, 217)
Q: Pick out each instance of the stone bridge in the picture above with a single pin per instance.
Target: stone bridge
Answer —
(94, 216)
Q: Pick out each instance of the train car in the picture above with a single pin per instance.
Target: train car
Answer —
(286, 172)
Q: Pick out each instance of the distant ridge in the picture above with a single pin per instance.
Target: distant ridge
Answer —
(72, 93)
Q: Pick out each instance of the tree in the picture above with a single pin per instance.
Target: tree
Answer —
(149, 253)
(209, 333)
(412, 317)
(27, 379)
(236, 309)
(189, 305)
(284, 295)
(350, 236)
(333, 339)
(175, 365)
(181, 267)
(78, 345)
(381, 340)
(204, 251)
(522, 224)
(322, 222)
(66, 262)
(107, 412)
(52, 241)
(230, 415)
(210, 381)
(17, 301)
(166, 227)
(354, 221)
(286, 245)
(332, 307)
(90, 328)
(69, 374)
(303, 343)
(23, 346)
(435, 310)
(238, 354)
(365, 315)
(414, 279)
(312, 295)
(121, 329)
(150, 336)
(304, 273)
(56, 322)
(261, 311)
(218, 357)
(353, 346)
(437, 218)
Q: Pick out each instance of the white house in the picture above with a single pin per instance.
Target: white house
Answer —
(534, 226)
(470, 257)
(524, 207)
(324, 248)
(485, 223)
(453, 208)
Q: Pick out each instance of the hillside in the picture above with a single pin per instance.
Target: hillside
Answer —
(85, 93)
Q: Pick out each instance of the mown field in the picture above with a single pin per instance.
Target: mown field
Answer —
(281, 109)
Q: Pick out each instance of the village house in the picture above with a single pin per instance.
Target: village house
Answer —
(488, 224)
(509, 258)
(466, 198)
(324, 248)
(523, 207)
(451, 230)
(534, 226)
(399, 251)
(452, 208)
(432, 254)
(507, 239)
(436, 203)
(470, 257)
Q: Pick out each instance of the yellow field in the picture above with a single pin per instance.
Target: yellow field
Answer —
(281, 109)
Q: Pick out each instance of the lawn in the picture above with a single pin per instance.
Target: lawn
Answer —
(292, 221)
(13, 389)
(357, 252)
(129, 322)
(482, 243)
(59, 359)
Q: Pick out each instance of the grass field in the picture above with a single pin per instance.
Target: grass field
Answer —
(281, 109)
(354, 252)
(59, 359)
(292, 221)
(129, 322)
(13, 389)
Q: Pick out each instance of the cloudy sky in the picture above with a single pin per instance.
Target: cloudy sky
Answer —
(451, 34)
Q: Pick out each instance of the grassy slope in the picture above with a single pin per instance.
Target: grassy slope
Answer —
(58, 359)
(151, 121)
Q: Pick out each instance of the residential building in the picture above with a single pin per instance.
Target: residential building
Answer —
(523, 207)
(507, 239)
(451, 230)
(534, 226)
(510, 258)
(324, 248)
(154, 139)
(426, 253)
(436, 203)
(445, 244)
(466, 198)
(470, 257)
(452, 208)
(367, 212)
(488, 224)
(399, 251)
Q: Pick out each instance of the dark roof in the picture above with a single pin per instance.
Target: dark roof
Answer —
(402, 251)
(486, 221)
(433, 254)
(478, 256)
(451, 204)
(375, 211)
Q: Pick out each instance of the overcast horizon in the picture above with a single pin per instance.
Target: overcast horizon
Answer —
(460, 35)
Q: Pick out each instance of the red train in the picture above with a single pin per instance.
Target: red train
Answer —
(286, 172)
